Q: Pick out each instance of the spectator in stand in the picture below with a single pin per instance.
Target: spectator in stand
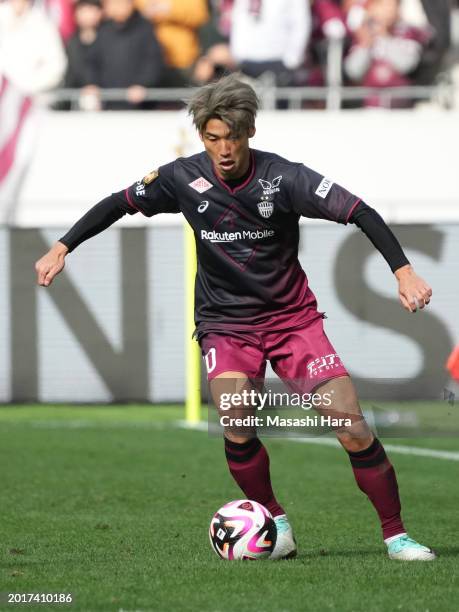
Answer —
(329, 25)
(224, 12)
(214, 37)
(385, 50)
(176, 24)
(433, 15)
(270, 35)
(355, 12)
(329, 19)
(126, 55)
(32, 56)
(80, 48)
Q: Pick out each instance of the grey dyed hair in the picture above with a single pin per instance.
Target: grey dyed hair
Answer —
(230, 100)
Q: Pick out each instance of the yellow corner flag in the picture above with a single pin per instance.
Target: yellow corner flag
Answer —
(192, 352)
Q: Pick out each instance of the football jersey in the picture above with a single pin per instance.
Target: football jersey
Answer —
(248, 273)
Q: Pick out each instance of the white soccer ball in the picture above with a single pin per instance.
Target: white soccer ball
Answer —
(243, 529)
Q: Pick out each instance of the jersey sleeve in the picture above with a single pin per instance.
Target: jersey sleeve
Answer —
(154, 194)
(318, 197)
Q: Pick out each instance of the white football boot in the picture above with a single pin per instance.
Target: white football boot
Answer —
(403, 548)
(285, 547)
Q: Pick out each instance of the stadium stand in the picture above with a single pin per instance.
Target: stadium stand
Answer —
(332, 58)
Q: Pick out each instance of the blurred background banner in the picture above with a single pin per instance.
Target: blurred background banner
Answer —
(112, 328)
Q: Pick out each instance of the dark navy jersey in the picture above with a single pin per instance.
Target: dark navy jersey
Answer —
(248, 272)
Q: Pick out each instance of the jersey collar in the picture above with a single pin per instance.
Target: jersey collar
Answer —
(242, 185)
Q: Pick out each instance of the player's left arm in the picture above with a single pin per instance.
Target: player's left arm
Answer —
(315, 196)
(413, 291)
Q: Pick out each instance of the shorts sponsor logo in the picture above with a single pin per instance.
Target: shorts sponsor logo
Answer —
(324, 187)
(213, 236)
(211, 360)
(200, 185)
(323, 364)
(270, 187)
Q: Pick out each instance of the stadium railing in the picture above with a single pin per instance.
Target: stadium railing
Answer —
(444, 94)
(333, 95)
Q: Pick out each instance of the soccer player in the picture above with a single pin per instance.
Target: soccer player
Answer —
(253, 302)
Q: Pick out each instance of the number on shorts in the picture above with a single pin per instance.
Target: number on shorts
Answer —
(211, 360)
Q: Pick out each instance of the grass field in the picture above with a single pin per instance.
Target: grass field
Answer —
(112, 504)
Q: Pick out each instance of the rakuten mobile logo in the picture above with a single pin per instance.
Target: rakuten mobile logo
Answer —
(214, 236)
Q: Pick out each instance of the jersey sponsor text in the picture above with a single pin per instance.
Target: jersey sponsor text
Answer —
(214, 236)
(324, 187)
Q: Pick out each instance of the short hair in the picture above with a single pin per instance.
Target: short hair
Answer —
(230, 100)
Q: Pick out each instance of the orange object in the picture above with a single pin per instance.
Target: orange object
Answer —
(452, 365)
(176, 24)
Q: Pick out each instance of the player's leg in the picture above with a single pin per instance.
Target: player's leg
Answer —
(232, 363)
(232, 367)
(307, 355)
(247, 458)
(373, 472)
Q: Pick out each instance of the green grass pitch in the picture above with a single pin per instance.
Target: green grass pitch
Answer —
(112, 504)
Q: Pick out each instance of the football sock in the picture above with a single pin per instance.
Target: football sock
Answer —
(249, 464)
(375, 476)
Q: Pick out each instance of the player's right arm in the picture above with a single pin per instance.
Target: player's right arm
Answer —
(98, 218)
(151, 195)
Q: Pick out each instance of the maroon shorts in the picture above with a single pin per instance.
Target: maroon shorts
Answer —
(303, 358)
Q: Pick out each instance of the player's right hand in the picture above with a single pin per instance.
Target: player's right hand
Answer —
(51, 264)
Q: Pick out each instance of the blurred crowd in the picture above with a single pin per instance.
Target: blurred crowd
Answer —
(139, 44)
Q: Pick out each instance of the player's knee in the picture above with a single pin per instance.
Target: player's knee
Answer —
(227, 386)
(357, 440)
(239, 437)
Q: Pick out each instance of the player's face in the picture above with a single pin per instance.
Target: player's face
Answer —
(118, 10)
(229, 153)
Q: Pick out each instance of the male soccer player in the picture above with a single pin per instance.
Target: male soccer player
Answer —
(253, 302)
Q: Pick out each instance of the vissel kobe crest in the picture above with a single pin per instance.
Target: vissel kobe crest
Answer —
(266, 206)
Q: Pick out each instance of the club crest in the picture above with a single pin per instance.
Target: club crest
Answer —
(265, 208)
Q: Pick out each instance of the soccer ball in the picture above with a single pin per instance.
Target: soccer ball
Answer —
(243, 529)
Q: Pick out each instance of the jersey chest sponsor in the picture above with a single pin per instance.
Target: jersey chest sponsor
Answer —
(214, 236)
(233, 231)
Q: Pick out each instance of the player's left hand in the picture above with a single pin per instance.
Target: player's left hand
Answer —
(413, 291)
